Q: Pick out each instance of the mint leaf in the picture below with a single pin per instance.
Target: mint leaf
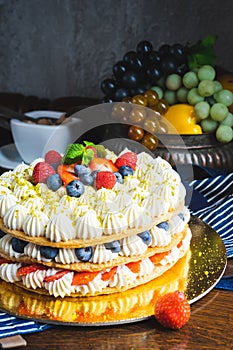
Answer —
(88, 155)
(101, 151)
(73, 154)
(87, 143)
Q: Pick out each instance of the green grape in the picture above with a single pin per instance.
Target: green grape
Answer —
(206, 72)
(181, 94)
(225, 97)
(217, 86)
(161, 82)
(170, 96)
(209, 125)
(206, 88)
(173, 82)
(224, 133)
(190, 80)
(228, 120)
(202, 109)
(218, 112)
(159, 91)
(193, 97)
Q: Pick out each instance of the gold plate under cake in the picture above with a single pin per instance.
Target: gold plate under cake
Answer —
(195, 274)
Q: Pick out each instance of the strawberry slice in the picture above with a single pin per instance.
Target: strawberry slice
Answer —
(108, 275)
(56, 276)
(158, 257)
(102, 164)
(134, 266)
(66, 173)
(179, 244)
(84, 277)
(26, 269)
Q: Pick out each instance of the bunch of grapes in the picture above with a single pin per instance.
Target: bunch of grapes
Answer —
(139, 70)
(199, 88)
(144, 122)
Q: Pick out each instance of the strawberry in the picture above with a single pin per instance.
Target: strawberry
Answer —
(102, 164)
(128, 158)
(56, 276)
(93, 149)
(106, 276)
(41, 172)
(134, 266)
(105, 179)
(53, 157)
(172, 310)
(84, 277)
(155, 259)
(66, 173)
(26, 269)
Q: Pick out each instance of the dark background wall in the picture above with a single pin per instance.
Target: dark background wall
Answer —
(54, 48)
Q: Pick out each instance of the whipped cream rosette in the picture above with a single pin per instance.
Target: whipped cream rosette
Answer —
(95, 223)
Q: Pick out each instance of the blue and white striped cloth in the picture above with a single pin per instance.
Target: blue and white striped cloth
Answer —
(10, 325)
(217, 192)
(212, 201)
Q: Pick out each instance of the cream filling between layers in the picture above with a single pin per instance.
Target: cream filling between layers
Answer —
(123, 278)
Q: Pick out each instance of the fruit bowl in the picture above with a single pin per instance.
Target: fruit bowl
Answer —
(203, 150)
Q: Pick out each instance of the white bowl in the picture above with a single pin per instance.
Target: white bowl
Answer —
(34, 140)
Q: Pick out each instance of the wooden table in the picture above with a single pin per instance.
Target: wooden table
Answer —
(210, 327)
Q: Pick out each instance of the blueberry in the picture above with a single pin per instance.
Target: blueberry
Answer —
(75, 188)
(94, 174)
(164, 225)
(114, 246)
(84, 254)
(80, 169)
(86, 179)
(2, 234)
(125, 170)
(119, 177)
(181, 216)
(146, 237)
(18, 245)
(48, 252)
(54, 182)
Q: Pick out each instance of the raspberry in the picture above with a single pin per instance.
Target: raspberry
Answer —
(105, 179)
(128, 159)
(41, 172)
(53, 157)
(172, 310)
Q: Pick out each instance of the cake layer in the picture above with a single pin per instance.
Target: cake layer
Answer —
(61, 282)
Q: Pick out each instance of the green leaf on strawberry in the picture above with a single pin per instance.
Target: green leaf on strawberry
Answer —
(88, 155)
(77, 152)
(101, 151)
(73, 154)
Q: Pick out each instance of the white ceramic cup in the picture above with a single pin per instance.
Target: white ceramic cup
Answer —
(32, 141)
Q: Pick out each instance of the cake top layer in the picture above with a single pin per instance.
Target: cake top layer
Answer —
(88, 195)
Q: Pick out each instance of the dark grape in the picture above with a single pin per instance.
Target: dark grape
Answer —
(153, 74)
(182, 69)
(168, 65)
(178, 51)
(119, 69)
(108, 86)
(144, 47)
(130, 79)
(106, 99)
(164, 50)
(120, 94)
(129, 56)
(154, 58)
